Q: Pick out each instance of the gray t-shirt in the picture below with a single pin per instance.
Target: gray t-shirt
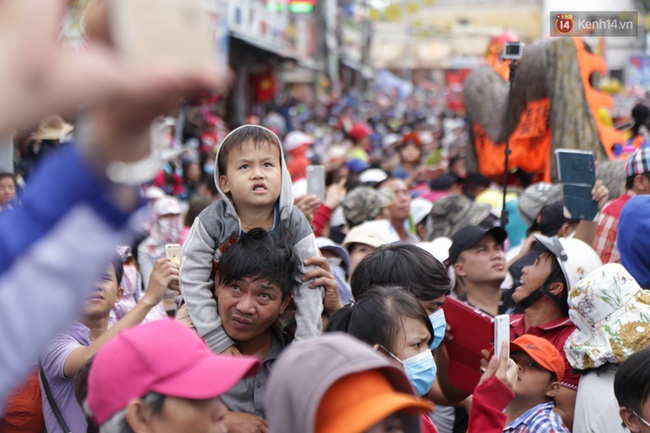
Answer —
(53, 359)
(248, 394)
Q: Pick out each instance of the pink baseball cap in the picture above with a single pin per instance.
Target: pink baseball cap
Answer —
(162, 356)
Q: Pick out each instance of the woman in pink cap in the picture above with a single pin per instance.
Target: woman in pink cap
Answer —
(168, 380)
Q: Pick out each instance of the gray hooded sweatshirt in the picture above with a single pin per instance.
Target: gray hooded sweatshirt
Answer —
(212, 232)
(306, 370)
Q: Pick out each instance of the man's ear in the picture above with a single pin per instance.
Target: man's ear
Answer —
(458, 269)
(223, 184)
(285, 303)
(630, 420)
(553, 389)
(556, 288)
(138, 416)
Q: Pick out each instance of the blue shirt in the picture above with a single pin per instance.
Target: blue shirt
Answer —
(538, 419)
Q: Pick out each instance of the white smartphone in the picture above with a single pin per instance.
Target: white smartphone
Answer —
(501, 333)
(168, 33)
(173, 252)
(316, 181)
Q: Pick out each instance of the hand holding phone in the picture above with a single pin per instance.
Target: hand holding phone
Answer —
(501, 334)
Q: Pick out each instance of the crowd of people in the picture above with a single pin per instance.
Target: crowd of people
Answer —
(284, 311)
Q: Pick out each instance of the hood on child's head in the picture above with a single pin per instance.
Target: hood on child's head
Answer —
(257, 133)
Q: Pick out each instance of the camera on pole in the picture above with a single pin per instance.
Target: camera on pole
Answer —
(511, 51)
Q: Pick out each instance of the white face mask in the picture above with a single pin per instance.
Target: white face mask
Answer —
(169, 229)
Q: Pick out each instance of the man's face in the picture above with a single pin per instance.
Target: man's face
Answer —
(254, 176)
(249, 307)
(7, 190)
(401, 207)
(107, 292)
(483, 263)
(534, 383)
(533, 277)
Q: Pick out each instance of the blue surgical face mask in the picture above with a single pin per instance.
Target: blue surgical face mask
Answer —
(421, 370)
(208, 168)
(439, 324)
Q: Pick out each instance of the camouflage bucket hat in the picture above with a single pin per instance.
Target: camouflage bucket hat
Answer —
(364, 204)
(450, 214)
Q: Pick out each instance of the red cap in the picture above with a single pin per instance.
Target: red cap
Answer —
(413, 138)
(359, 131)
(164, 357)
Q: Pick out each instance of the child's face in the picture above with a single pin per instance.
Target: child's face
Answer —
(534, 382)
(254, 176)
(410, 152)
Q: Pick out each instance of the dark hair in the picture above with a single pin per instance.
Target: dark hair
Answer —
(208, 181)
(378, 316)
(632, 381)
(257, 254)
(118, 266)
(235, 140)
(196, 206)
(402, 264)
(80, 382)
(4, 174)
(629, 181)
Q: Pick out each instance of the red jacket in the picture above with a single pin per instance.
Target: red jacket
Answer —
(490, 398)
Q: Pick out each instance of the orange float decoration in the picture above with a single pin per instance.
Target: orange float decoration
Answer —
(554, 106)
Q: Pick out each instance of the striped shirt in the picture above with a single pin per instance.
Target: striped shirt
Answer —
(538, 419)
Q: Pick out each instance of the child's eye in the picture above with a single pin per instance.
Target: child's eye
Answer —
(244, 166)
(268, 164)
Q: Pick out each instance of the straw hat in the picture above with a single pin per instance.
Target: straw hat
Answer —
(52, 127)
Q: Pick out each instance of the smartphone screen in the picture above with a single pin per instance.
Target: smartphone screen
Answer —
(316, 181)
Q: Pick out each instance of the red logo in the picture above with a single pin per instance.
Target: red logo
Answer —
(564, 23)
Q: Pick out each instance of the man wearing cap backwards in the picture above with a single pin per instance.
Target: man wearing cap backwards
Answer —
(637, 170)
(480, 264)
(170, 381)
(543, 295)
(64, 354)
(528, 399)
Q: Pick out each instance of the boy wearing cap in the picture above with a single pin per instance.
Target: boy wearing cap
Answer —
(161, 388)
(64, 355)
(637, 170)
(480, 265)
(530, 408)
